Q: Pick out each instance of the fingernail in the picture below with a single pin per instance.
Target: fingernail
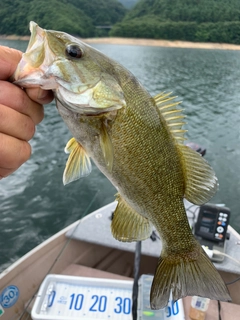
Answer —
(42, 94)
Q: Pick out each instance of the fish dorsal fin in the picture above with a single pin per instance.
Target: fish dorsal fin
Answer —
(200, 179)
(78, 164)
(106, 146)
(172, 115)
(128, 225)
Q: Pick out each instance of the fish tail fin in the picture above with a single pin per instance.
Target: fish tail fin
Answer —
(186, 275)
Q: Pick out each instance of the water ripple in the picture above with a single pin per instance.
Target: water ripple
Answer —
(35, 204)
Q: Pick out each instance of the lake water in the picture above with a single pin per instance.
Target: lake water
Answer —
(35, 204)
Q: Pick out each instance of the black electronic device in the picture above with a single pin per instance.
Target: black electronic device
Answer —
(212, 222)
(211, 227)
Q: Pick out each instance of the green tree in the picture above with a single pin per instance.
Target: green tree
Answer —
(77, 17)
(192, 20)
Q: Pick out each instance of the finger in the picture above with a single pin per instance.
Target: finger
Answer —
(39, 95)
(6, 172)
(14, 153)
(20, 101)
(9, 59)
(16, 124)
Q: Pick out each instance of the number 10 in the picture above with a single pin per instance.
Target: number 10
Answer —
(78, 302)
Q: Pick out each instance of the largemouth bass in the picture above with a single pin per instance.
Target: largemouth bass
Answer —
(137, 142)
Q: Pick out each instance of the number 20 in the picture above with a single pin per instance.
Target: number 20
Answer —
(100, 303)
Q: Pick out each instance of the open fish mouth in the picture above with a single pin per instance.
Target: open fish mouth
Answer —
(32, 82)
(33, 67)
(48, 64)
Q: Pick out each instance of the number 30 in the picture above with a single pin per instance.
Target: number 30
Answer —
(124, 305)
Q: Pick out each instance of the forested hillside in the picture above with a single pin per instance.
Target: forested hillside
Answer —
(79, 17)
(192, 20)
(188, 10)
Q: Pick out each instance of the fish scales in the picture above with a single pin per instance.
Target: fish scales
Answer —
(137, 142)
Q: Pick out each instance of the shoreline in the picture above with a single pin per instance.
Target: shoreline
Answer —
(164, 43)
(146, 42)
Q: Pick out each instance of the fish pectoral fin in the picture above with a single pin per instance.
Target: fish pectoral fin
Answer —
(78, 164)
(200, 179)
(128, 225)
(71, 145)
(107, 147)
(187, 274)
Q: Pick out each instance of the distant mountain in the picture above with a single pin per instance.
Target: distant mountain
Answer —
(192, 20)
(79, 17)
(102, 12)
(128, 3)
(184, 10)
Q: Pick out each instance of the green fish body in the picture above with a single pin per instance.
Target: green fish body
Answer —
(137, 142)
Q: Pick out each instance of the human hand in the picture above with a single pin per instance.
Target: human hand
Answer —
(20, 111)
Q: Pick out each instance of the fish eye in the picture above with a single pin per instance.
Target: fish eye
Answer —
(73, 51)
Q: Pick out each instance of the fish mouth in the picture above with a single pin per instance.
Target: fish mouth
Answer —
(45, 65)
(32, 68)
(34, 81)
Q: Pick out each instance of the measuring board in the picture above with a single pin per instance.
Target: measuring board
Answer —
(72, 298)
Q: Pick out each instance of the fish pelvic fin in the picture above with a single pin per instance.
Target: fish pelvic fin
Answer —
(200, 180)
(128, 225)
(172, 115)
(186, 276)
(78, 164)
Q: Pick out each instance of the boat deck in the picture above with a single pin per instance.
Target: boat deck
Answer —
(151, 251)
(101, 234)
(229, 311)
(91, 251)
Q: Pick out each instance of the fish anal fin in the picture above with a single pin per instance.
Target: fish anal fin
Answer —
(172, 115)
(185, 276)
(106, 146)
(78, 164)
(127, 225)
(200, 180)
